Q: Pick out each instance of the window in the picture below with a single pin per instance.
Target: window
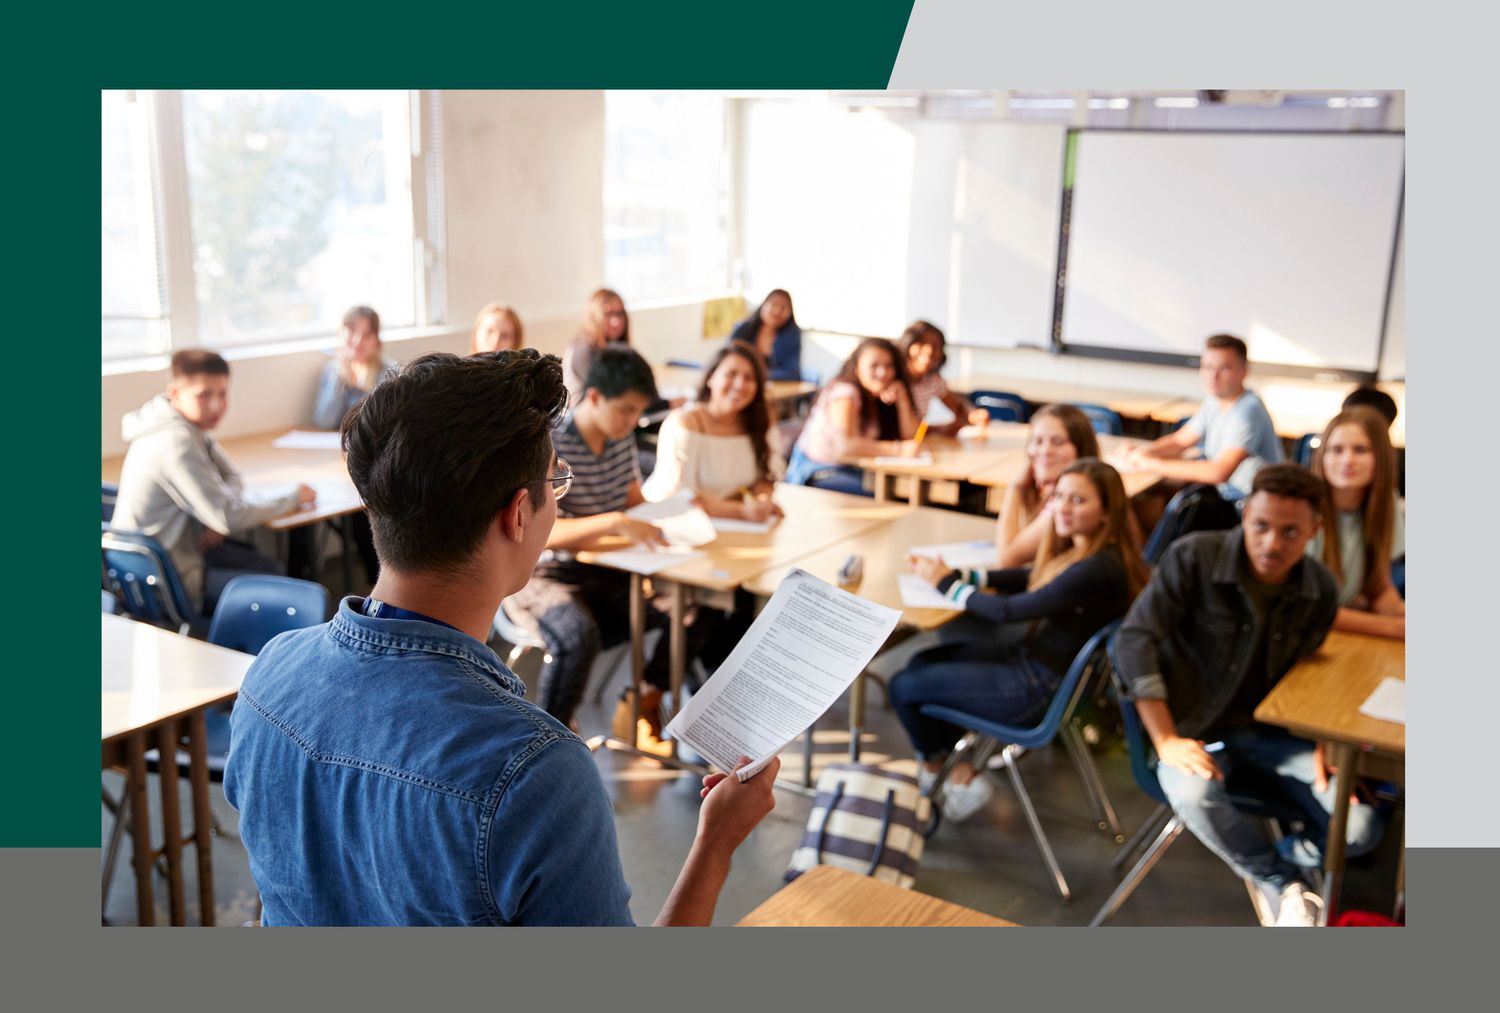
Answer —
(133, 296)
(665, 194)
(248, 216)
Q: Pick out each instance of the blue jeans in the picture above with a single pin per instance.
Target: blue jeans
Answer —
(1277, 768)
(803, 470)
(1003, 686)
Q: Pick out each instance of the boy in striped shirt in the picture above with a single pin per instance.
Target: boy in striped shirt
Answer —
(575, 608)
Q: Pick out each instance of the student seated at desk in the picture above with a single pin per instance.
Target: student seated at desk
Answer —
(605, 322)
(1059, 435)
(866, 411)
(1085, 574)
(1233, 425)
(497, 328)
(1226, 615)
(924, 350)
(179, 487)
(353, 370)
(773, 332)
(386, 765)
(576, 608)
(1364, 529)
(722, 447)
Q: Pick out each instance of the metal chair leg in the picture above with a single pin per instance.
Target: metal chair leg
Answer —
(1143, 833)
(1145, 865)
(1036, 826)
(116, 834)
(1093, 784)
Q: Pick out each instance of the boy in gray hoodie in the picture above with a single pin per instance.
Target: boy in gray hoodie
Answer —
(177, 485)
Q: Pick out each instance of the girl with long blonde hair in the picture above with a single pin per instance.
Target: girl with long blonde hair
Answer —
(1363, 527)
(1084, 576)
(1060, 434)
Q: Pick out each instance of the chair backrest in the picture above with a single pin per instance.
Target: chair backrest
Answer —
(109, 495)
(140, 573)
(1196, 507)
(1002, 405)
(1089, 660)
(1305, 448)
(1104, 420)
(255, 607)
(513, 634)
(1136, 743)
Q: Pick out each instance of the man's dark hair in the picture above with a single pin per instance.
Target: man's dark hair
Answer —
(1290, 481)
(1369, 396)
(619, 369)
(198, 362)
(1230, 342)
(439, 449)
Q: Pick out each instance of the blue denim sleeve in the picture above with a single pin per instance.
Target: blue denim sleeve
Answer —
(551, 852)
(332, 400)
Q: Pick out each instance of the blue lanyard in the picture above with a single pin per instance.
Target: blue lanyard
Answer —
(376, 609)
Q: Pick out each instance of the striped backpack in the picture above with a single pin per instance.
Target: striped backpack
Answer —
(866, 820)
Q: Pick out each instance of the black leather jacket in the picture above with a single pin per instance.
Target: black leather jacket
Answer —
(1190, 636)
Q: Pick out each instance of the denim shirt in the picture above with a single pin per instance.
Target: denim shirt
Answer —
(389, 772)
(1192, 633)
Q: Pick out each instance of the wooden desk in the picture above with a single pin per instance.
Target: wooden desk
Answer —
(1320, 699)
(157, 685)
(953, 458)
(829, 896)
(814, 519)
(884, 551)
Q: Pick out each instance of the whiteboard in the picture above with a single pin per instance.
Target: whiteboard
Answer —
(1283, 239)
(873, 221)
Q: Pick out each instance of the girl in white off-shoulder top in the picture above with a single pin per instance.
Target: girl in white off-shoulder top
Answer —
(722, 446)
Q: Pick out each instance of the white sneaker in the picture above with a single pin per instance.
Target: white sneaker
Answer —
(1299, 907)
(962, 801)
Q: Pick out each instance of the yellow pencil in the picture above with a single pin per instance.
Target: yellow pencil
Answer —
(921, 432)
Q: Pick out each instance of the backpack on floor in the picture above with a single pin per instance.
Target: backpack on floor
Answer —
(866, 820)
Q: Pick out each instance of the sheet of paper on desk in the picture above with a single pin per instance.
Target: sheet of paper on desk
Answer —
(733, 525)
(900, 459)
(980, 555)
(684, 524)
(1388, 702)
(645, 561)
(916, 593)
(303, 439)
(807, 645)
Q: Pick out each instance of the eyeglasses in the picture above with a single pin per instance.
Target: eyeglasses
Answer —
(562, 481)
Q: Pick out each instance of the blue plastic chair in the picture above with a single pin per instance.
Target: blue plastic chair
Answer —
(1104, 420)
(1163, 826)
(252, 609)
(811, 376)
(1057, 719)
(108, 603)
(1398, 575)
(1002, 405)
(1196, 507)
(139, 572)
(109, 495)
(1305, 448)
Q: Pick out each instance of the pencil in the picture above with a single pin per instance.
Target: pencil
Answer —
(921, 432)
